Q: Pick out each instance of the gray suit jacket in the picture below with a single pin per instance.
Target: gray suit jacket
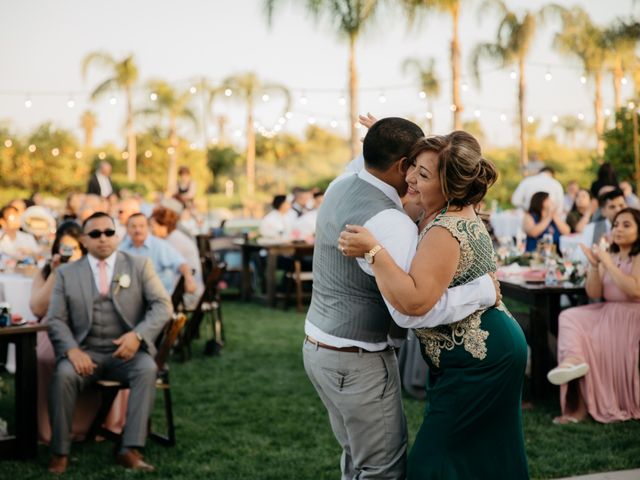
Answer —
(144, 306)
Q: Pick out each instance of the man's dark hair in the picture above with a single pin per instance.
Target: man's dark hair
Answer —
(6, 208)
(97, 215)
(278, 200)
(612, 195)
(548, 169)
(135, 215)
(388, 140)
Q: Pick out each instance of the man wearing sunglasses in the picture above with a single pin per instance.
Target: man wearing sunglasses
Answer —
(105, 314)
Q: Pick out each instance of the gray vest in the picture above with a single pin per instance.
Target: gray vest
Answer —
(346, 302)
(106, 324)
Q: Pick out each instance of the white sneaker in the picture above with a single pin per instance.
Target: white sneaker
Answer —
(562, 375)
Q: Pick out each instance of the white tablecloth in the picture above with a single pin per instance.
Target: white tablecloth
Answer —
(16, 291)
(507, 223)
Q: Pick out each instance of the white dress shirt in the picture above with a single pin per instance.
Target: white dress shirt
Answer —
(399, 235)
(24, 245)
(95, 270)
(275, 225)
(106, 188)
(542, 182)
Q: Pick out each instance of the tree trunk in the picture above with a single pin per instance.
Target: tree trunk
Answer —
(617, 84)
(251, 149)
(524, 153)
(455, 68)
(222, 130)
(430, 120)
(131, 139)
(353, 97)
(172, 175)
(88, 138)
(597, 104)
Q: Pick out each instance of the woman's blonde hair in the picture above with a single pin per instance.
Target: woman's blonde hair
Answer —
(465, 176)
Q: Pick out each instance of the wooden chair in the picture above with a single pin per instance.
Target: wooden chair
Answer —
(209, 305)
(109, 389)
(296, 277)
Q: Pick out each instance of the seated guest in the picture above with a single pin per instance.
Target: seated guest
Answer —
(543, 217)
(167, 261)
(544, 181)
(277, 223)
(106, 312)
(581, 211)
(599, 344)
(630, 198)
(13, 242)
(610, 204)
(186, 186)
(67, 248)
(163, 223)
(301, 202)
(304, 227)
(570, 196)
(126, 208)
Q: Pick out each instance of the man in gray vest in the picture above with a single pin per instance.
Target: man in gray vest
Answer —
(105, 314)
(351, 330)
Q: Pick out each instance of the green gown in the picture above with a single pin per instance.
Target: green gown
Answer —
(472, 428)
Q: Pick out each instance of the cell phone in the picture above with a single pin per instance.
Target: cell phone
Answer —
(66, 252)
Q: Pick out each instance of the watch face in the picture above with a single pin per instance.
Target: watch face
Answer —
(368, 257)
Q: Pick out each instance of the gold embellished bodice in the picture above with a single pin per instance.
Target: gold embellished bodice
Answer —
(476, 259)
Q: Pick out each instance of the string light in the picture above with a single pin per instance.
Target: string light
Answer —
(102, 155)
(554, 119)
(214, 141)
(28, 103)
(265, 97)
(148, 154)
(422, 94)
(125, 155)
(288, 115)
(311, 120)
(631, 105)
(32, 148)
(8, 143)
(238, 132)
(277, 128)
(171, 150)
(153, 96)
(428, 115)
(192, 146)
(113, 100)
(623, 80)
(581, 116)
(333, 124)
(607, 112)
(513, 75)
(71, 103)
(228, 92)
(193, 90)
(382, 98)
(452, 107)
(342, 101)
(303, 99)
(503, 117)
(465, 86)
(547, 76)
(530, 119)
(78, 155)
(477, 113)
(583, 79)
(55, 152)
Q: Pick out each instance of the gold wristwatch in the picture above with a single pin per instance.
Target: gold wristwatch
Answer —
(368, 256)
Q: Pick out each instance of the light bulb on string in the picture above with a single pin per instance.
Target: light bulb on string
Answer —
(32, 148)
(503, 117)
(78, 155)
(382, 98)
(282, 120)
(228, 92)
(125, 155)
(171, 150)
(333, 124)
(422, 94)
(607, 112)
(624, 80)
(583, 79)
(238, 132)
(265, 97)
(554, 118)
(148, 154)
(311, 120)
(8, 143)
(153, 96)
(193, 90)
(465, 86)
(71, 103)
(289, 115)
(428, 115)
(530, 119)
(452, 107)
(547, 76)
(277, 128)
(513, 75)
(303, 99)
(102, 155)
(28, 103)
(342, 101)
(113, 100)
(477, 113)
(581, 116)
(55, 152)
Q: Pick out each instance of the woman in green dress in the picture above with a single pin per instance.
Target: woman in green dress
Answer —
(472, 426)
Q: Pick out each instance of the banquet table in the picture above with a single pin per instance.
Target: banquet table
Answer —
(15, 289)
(507, 223)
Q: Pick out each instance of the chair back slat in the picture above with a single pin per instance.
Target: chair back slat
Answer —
(168, 338)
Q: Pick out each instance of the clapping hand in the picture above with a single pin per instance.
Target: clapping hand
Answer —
(592, 254)
(355, 241)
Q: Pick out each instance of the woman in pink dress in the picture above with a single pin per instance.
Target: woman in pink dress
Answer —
(599, 344)
(66, 248)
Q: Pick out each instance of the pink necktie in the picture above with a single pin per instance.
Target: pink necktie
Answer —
(102, 277)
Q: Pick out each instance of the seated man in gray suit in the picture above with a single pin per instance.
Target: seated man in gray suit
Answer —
(105, 314)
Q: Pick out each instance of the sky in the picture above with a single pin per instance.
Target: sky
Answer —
(43, 42)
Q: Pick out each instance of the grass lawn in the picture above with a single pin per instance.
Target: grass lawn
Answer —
(252, 414)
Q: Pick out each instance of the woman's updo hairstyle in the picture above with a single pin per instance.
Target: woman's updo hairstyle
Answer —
(464, 174)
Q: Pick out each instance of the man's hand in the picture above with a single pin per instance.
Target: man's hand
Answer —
(496, 284)
(128, 345)
(81, 362)
(190, 284)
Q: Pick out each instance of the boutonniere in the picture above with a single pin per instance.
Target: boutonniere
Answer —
(123, 281)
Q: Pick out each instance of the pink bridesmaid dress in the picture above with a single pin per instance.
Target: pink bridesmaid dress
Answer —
(607, 337)
(86, 406)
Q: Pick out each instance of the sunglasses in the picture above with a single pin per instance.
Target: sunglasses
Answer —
(109, 232)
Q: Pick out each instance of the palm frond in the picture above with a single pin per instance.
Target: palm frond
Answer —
(101, 58)
(108, 85)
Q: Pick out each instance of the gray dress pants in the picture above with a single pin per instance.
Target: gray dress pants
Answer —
(361, 392)
(139, 373)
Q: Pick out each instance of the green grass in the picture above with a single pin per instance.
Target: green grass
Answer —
(252, 414)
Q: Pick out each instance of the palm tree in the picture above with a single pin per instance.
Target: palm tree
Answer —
(427, 79)
(513, 42)
(174, 106)
(581, 38)
(621, 41)
(349, 17)
(452, 7)
(88, 123)
(124, 74)
(246, 87)
(570, 126)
